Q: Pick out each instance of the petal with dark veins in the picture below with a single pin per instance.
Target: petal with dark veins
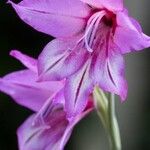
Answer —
(109, 71)
(53, 134)
(78, 88)
(60, 59)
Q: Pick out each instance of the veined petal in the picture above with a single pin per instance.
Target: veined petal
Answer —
(78, 87)
(128, 35)
(24, 89)
(58, 18)
(27, 61)
(60, 59)
(109, 72)
(51, 136)
(40, 137)
(113, 5)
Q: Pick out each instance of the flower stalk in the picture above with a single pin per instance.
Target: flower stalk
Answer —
(106, 112)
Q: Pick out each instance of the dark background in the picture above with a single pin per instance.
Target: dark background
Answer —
(133, 115)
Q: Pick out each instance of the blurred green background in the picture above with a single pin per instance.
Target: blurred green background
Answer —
(133, 115)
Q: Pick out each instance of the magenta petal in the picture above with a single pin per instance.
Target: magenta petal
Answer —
(60, 59)
(113, 5)
(109, 72)
(128, 35)
(136, 24)
(43, 137)
(78, 87)
(27, 61)
(58, 18)
(24, 89)
(50, 134)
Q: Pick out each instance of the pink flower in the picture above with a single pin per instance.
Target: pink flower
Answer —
(49, 127)
(92, 36)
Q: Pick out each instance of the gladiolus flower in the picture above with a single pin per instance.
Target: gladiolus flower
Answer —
(49, 127)
(91, 37)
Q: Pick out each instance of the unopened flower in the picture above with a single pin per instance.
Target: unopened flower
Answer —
(48, 128)
(91, 37)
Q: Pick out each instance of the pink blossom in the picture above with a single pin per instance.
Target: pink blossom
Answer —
(49, 127)
(91, 38)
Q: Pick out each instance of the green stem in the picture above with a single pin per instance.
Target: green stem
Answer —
(114, 133)
(106, 112)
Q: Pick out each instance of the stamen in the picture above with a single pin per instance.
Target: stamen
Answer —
(91, 30)
(96, 26)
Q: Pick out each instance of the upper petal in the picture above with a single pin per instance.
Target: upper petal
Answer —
(113, 5)
(78, 88)
(24, 89)
(128, 35)
(109, 71)
(58, 18)
(60, 59)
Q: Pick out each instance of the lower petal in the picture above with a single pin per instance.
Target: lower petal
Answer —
(78, 87)
(43, 137)
(53, 135)
(60, 59)
(109, 72)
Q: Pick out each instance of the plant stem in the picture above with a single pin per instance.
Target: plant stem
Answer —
(114, 133)
(106, 112)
